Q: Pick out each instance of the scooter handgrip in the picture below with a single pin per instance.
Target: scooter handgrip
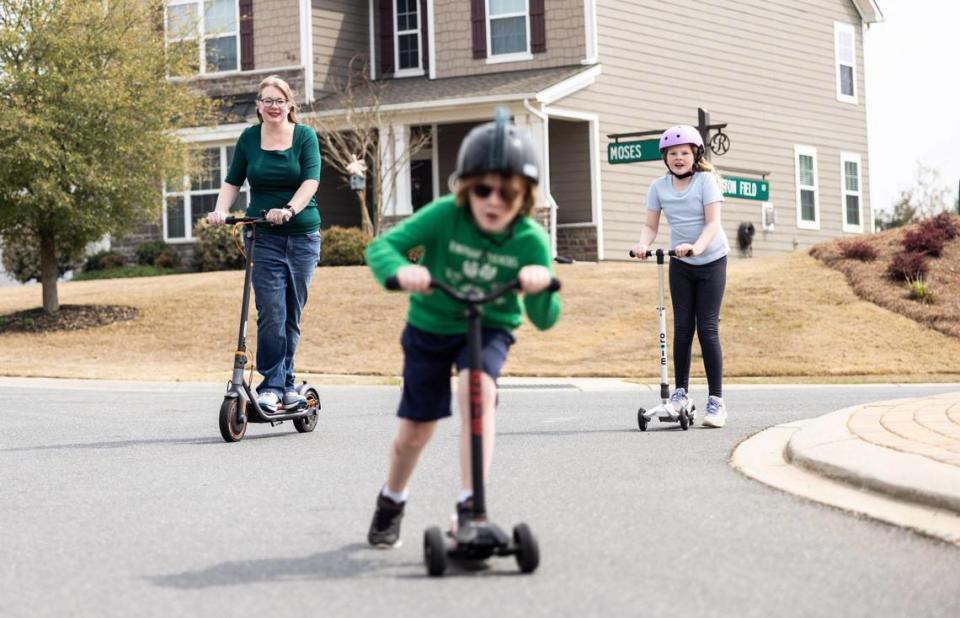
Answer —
(230, 220)
(633, 253)
(554, 285)
(392, 283)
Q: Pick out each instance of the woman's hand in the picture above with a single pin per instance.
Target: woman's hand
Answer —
(534, 278)
(414, 278)
(216, 218)
(278, 216)
(639, 250)
(685, 249)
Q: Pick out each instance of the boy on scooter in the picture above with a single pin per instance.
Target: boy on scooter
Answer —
(479, 237)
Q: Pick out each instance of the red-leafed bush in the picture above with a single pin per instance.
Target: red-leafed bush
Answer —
(946, 223)
(924, 239)
(905, 266)
(858, 250)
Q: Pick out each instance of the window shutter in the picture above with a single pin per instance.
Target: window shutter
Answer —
(246, 35)
(386, 36)
(538, 26)
(424, 36)
(478, 19)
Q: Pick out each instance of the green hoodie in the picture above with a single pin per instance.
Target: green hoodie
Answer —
(458, 253)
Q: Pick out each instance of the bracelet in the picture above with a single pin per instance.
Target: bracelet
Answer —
(293, 213)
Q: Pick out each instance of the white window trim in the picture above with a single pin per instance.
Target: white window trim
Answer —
(591, 49)
(809, 151)
(202, 37)
(851, 157)
(187, 194)
(413, 71)
(839, 27)
(514, 57)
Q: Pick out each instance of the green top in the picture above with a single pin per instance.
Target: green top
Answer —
(458, 253)
(275, 175)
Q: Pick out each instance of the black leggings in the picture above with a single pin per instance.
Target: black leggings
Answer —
(696, 292)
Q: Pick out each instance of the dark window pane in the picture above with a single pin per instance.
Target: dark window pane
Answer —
(207, 174)
(850, 173)
(808, 210)
(406, 15)
(409, 53)
(846, 80)
(508, 35)
(853, 210)
(175, 227)
(222, 54)
(200, 205)
(421, 182)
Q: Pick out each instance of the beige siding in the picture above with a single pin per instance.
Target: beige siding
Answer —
(570, 170)
(340, 32)
(566, 41)
(766, 68)
(276, 33)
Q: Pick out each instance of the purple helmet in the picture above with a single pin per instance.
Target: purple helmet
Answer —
(679, 135)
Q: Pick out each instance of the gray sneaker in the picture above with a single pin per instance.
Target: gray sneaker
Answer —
(716, 415)
(292, 400)
(268, 401)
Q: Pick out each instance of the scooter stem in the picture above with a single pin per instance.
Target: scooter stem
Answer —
(662, 315)
(474, 347)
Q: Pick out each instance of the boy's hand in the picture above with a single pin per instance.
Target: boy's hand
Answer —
(534, 279)
(685, 249)
(414, 278)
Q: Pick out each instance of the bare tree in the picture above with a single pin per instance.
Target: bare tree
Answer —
(355, 134)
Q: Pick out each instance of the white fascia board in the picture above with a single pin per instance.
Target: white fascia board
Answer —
(869, 11)
(218, 133)
(569, 86)
(306, 48)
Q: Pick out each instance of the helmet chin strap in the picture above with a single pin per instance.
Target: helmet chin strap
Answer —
(686, 174)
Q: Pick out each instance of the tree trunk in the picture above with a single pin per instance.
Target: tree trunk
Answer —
(48, 272)
(365, 223)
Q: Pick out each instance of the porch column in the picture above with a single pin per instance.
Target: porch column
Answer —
(396, 171)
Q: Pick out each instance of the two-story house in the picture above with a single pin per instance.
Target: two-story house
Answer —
(784, 76)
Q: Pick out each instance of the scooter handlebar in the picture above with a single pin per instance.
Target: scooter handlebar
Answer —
(393, 284)
(671, 253)
(236, 220)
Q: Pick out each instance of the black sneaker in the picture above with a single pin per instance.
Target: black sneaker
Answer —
(385, 527)
(465, 530)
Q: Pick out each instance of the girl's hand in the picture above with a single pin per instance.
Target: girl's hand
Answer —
(278, 216)
(640, 251)
(414, 278)
(216, 218)
(534, 279)
(685, 249)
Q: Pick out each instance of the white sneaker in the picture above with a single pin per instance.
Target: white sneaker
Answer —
(716, 415)
(268, 401)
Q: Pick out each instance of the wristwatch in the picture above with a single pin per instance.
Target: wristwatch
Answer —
(293, 213)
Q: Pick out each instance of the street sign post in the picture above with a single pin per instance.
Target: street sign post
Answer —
(746, 188)
(633, 152)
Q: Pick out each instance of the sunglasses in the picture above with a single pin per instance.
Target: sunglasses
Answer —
(484, 191)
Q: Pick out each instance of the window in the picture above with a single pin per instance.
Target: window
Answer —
(808, 204)
(208, 26)
(189, 199)
(407, 37)
(850, 190)
(508, 30)
(845, 48)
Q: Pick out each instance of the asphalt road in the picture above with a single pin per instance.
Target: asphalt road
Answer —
(124, 501)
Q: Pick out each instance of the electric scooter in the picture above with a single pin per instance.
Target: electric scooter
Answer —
(479, 539)
(667, 412)
(239, 402)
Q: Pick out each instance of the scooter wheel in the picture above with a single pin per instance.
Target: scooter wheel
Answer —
(684, 420)
(434, 553)
(231, 427)
(308, 423)
(528, 552)
(641, 419)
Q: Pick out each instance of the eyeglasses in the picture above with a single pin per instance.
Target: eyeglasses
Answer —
(273, 102)
(483, 191)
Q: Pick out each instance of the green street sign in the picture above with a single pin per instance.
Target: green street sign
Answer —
(633, 152)
(746, 188)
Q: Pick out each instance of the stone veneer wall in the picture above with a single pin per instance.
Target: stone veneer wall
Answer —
(578, 243)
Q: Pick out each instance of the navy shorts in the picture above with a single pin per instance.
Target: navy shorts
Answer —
(427, 359)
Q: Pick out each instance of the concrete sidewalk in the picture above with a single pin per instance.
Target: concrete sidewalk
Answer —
(897, 460)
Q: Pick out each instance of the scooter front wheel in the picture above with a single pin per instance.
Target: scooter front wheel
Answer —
(528, 552)
(642, 419)
(232, 428)
(684, 420)
(434, 552)
(308, 423)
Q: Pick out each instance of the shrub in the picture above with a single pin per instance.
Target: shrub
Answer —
(102, 259)
(147, 252)
(858, 250)
(905, 266)
(919, 290)
(168, 258)
(215, 247)
(21, 257)
(112, 259)
(924, 239)
(946, 223)
(342, 246)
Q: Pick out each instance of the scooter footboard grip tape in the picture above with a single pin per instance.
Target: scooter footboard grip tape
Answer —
(392, 283)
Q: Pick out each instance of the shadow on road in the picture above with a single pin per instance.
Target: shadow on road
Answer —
(348, 561)
(127, 443)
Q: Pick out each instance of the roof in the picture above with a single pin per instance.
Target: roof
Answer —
(869, 11)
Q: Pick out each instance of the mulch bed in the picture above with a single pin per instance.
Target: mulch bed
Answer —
(70, 317)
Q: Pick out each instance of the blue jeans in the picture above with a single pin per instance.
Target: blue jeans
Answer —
(282, 269)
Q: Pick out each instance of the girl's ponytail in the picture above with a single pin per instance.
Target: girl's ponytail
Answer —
(702, 165)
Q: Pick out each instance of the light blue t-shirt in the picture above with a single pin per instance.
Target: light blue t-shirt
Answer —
(685, 213)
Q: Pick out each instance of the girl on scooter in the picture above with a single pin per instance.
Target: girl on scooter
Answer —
(281, 160)
(479, 237)
(690, 196)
